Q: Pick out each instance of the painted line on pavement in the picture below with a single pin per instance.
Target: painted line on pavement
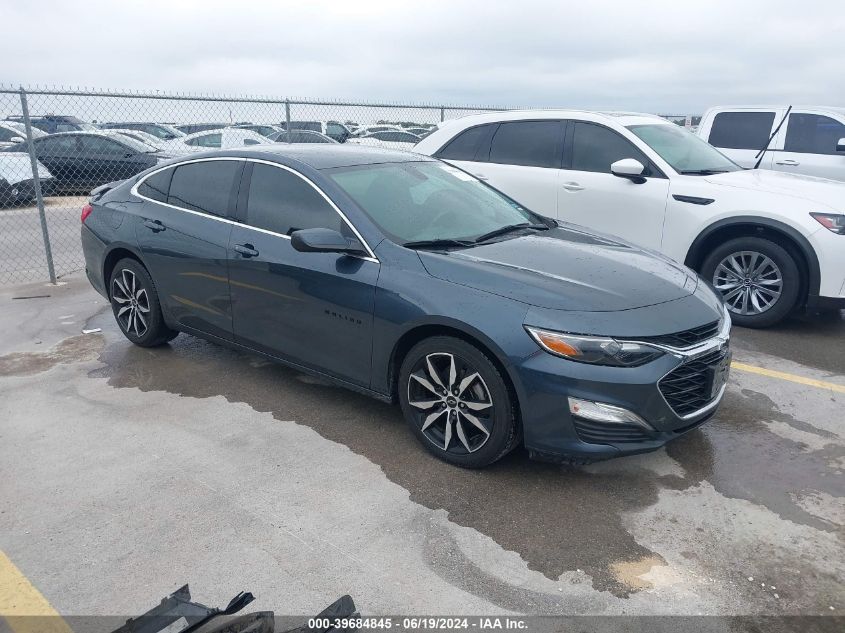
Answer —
(782, 375)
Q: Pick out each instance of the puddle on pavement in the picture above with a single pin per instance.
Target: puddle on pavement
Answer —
(71, 350)
(557, 519)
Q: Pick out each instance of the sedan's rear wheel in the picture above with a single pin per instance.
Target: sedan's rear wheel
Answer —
(758, 279)
(136, 306)
(457, 402)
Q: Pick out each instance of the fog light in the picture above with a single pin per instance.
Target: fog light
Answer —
(608, 413)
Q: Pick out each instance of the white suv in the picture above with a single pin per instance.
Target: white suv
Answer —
(811, 140)
(768, 241)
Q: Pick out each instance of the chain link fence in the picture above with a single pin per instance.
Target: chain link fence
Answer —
(68, 142)
(57, 145)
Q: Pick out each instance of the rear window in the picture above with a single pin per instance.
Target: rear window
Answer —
(206, 186)
(741, 130)
(528, 143)
(157, 186)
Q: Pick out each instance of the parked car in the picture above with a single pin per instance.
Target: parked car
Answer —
(392, 139)
(52, 123)
(214, 139)
(263, 130)
(193, 128)
(148, 139)
(810, 140)
(80, 161)
(406, 279)
(16, 182)
(159, 130)
(301, 136)
(12, 132)
(364, 130)
(419, 131)
(769, 242)
(333, 129)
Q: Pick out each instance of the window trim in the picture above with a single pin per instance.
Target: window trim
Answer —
(134, 191)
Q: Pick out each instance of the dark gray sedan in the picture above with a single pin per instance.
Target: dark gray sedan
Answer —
(410, 280)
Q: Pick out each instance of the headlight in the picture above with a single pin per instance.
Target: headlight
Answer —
(595, 350)
(833, 222)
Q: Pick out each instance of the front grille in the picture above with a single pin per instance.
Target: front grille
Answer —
(687, 387)
(687, 338)
(605, 433)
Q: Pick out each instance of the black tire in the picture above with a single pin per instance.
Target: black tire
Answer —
(148, 329)
(786, 266)
(463, 413)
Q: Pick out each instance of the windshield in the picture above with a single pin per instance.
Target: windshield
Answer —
(685, 152)
(412, 202)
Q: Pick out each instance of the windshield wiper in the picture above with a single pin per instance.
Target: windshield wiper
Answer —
(765, 148)
(440, 243)
(510, 228)
(703, 172)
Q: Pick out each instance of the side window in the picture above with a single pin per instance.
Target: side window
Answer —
(6, 135)
(157, 186)
(529, 143)
(335, 128)
(282, 202)
(471, 144)
(56, 145)
(595, 148)
(207, 140)
(97, 145)
(205, 186)
(251, 141)
(813, 134)
(741, 130)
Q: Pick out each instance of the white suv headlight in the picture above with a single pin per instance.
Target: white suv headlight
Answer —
(833, 222)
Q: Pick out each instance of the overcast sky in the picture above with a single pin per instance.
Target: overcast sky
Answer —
(666, 57)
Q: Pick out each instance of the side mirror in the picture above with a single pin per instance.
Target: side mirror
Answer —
(325, 241)
(629, 168)
(21, 139)
(840, 145)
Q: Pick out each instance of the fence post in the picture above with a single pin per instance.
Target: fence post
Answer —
(36, 183)
(287, 119)
(442, 114)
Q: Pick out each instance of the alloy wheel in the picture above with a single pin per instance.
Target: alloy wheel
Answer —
(451, 402)
(133, 303)
(750, 282)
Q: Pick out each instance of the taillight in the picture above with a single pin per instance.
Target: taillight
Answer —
(86, 211)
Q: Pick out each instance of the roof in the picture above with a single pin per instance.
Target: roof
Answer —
(327, 156)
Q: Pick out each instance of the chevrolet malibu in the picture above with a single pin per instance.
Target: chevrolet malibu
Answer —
(409, 280)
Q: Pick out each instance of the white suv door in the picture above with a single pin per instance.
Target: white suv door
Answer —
(521, 158)
(590, 195)
(809, 145)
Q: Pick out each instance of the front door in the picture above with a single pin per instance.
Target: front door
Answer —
(593, 197)
(312, 309)
(809, 146)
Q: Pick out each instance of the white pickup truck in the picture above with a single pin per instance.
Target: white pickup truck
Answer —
(809, 140)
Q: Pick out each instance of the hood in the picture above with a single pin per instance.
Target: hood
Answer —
(565, 268)
(15, 167)
(819, 191)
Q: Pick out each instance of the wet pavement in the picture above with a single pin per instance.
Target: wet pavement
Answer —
(743, 516)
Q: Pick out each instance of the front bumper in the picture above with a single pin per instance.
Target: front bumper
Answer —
(655, 392)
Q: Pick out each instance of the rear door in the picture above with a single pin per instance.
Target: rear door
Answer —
(592, 196)
(183, 231)
(741, 134)
(809, 145)
(520, 158)
(103, 160)
(313, 309)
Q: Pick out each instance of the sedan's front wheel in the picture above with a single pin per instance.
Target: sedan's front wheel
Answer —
(457, 402)
(135, 305)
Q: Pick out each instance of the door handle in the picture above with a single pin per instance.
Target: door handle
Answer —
(247, 250)
(154, 225)
(789, 162)
(481, 176)
(572, 186)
